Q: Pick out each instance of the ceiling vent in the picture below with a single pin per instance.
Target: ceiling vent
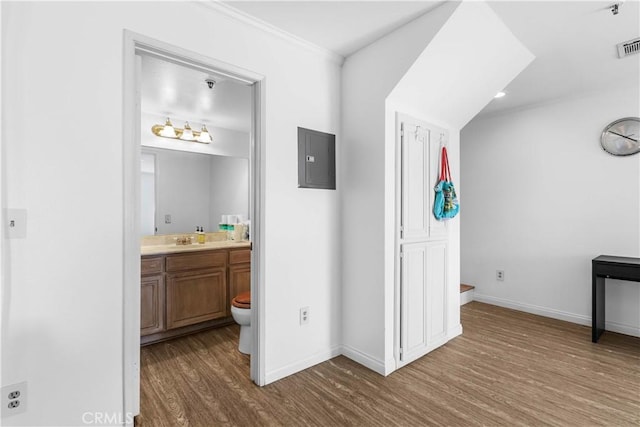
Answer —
(629, 47)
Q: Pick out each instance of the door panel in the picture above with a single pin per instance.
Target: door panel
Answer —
(436, 291)
(415, 198)
(196, 297)
(414, 300)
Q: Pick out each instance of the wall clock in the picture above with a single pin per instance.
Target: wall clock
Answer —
(620, 137)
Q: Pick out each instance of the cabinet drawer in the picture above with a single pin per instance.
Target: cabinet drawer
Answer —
(192, 261)
(151, 265)
(239, 256)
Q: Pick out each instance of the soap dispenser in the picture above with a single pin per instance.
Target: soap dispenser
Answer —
(201, 236)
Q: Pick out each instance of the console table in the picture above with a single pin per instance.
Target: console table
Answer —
(608, 267)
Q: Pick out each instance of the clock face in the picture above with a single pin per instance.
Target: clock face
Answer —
(620, 137)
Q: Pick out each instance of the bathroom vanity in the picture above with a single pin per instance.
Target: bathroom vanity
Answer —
(186, 289)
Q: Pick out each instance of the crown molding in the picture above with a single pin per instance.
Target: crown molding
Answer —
(244, 17)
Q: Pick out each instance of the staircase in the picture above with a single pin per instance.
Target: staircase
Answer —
(466, 293)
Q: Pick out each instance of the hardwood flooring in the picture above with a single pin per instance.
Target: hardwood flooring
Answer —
(508, 368)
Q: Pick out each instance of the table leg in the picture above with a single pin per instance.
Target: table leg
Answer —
(597, 307)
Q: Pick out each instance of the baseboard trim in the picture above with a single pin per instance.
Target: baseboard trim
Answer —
(365, 360)
(557, 314)
(285, 371)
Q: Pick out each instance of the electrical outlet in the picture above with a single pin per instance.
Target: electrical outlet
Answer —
(167, 219)
(500, 275)
(14, 399)
(304, 315)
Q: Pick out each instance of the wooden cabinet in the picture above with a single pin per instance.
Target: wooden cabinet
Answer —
(239, 272)
(196, 296)
(152, 294)
(152, 304)
(187, 292)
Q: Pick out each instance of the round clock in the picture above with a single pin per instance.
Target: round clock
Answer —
(620, 137)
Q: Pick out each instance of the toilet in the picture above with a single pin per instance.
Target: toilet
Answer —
(241, 312)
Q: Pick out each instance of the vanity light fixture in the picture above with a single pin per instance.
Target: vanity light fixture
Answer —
(187, 134)
(167, 130)
(204, 136)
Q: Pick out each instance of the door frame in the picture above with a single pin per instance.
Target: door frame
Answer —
(134, 44)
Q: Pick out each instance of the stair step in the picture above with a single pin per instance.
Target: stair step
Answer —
(465, 288)
(466, 293)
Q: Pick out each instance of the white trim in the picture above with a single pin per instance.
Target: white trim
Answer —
(245, 18)
(295, 367)
(535, 309)
(130, 232)
(134, 43)
(365, 360)
(557, 314)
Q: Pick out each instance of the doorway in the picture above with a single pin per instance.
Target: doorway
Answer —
(136, 45)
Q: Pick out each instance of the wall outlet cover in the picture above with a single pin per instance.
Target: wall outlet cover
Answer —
(14, 399)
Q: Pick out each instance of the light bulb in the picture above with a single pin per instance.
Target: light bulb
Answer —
(204, 137)
(500, 94)
(187, 133)
(168, 131)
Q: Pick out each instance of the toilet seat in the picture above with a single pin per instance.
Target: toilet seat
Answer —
(242, 300)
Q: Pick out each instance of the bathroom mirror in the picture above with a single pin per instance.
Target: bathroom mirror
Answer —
(181, 190)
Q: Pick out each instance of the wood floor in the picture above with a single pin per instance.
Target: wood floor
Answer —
(508, 368)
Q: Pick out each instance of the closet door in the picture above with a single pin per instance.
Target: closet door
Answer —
(436, 279)
(415, 180)
(422, 242)
(414, 301)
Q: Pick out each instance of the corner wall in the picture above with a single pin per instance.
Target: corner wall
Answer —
(62, 325)
(542, 199)
(432, 69)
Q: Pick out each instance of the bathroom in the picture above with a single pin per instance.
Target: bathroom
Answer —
(195, 135)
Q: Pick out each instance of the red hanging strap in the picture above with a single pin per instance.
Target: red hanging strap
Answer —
(443, 165)
(445, 172)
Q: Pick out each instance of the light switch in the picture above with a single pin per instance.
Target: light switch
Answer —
(15, 225)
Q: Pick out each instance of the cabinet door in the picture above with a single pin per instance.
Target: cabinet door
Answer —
(239, 279)
(197, 296)
(436, 293)
(414, 181)
(423, 298)
(151, 305)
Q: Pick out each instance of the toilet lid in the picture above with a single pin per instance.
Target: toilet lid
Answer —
(242, 300)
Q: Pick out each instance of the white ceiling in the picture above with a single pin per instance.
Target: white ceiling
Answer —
(342, 27)
(574, 43)
(181, 93)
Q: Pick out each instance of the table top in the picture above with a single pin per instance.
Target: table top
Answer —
(617, 260)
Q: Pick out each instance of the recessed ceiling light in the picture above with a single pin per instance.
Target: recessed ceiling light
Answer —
(500, 94)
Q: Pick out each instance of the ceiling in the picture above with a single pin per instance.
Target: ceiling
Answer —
(342, 27)
(180, 92)
(574, 43)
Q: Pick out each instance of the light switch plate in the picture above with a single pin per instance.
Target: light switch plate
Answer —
(15, 223)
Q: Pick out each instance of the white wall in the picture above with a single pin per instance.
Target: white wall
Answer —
(62, 322)
(433, 69)
(229, 188)
(542, 199)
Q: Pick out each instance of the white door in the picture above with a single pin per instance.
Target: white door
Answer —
(422, 244)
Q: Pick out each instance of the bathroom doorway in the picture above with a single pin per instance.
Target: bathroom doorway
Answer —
(138, 48)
